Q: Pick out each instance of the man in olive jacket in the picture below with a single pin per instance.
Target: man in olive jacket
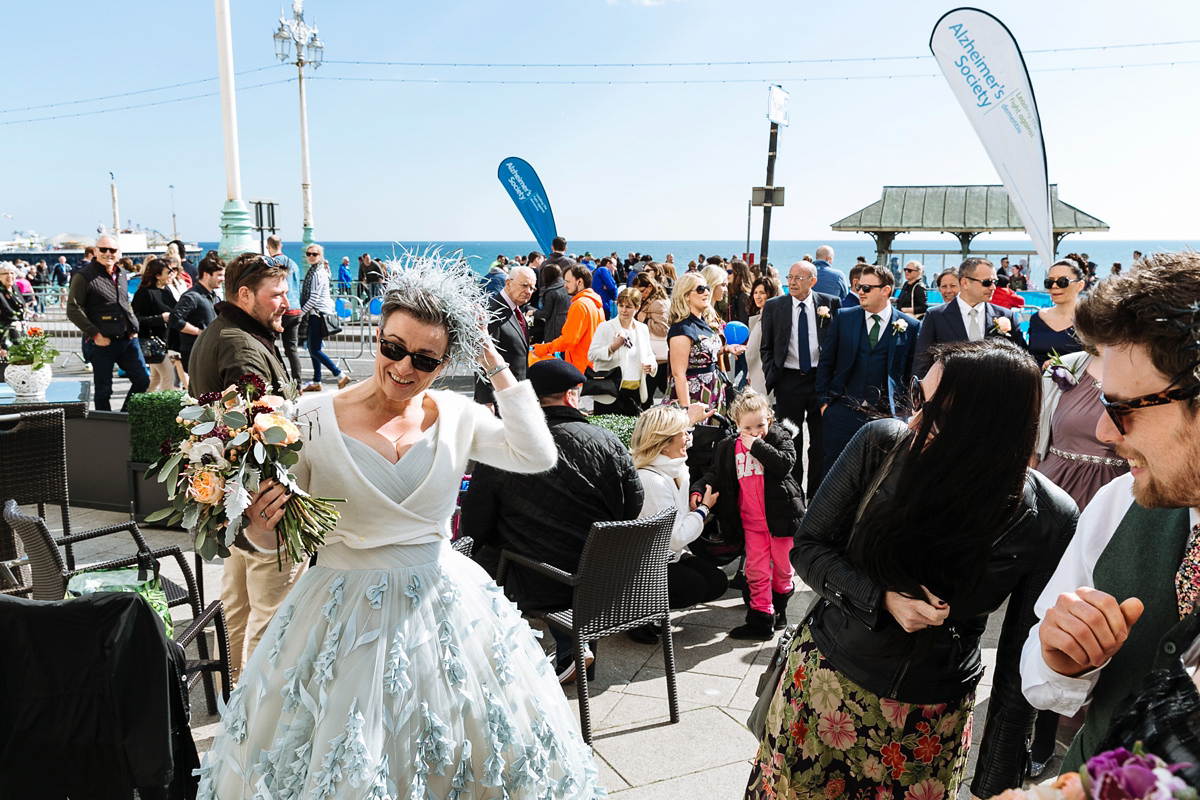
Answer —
(241, 340)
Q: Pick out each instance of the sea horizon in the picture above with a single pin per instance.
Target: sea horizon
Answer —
(935, 254)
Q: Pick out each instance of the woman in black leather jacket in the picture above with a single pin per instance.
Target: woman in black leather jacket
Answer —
(916, 535)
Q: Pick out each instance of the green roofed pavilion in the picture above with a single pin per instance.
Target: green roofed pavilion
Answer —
(965, 211)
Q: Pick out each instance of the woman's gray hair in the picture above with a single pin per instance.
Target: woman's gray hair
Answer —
(441, 290)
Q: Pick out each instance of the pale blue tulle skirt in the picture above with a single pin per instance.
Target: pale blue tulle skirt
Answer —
(398, 672)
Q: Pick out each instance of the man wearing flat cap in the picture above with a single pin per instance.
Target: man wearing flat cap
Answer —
(547, 516)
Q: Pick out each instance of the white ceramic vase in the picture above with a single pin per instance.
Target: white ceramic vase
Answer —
(26, 381)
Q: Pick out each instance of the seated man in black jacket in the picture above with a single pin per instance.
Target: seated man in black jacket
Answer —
(547, 516)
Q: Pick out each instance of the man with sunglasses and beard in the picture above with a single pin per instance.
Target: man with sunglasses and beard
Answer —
(1120, 602)
(98, 304)
(240, 341)
(970, 316)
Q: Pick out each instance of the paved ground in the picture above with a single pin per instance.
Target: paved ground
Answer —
(640, 754)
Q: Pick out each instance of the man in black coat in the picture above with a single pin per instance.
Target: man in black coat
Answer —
(793, 333)
(547, 516)
(508, 328)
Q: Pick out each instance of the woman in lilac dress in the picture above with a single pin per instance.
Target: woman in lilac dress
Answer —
(1070, 455)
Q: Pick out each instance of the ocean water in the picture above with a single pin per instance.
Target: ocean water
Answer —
(782, 253)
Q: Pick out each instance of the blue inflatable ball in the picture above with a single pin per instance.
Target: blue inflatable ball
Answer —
(736, 333)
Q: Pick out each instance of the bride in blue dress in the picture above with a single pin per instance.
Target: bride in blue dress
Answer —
(396, 667)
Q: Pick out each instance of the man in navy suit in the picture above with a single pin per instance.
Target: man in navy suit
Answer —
(969, 316)
(867, 361)
(793, 333)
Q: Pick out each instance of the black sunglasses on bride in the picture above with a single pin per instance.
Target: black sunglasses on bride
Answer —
(394, 352)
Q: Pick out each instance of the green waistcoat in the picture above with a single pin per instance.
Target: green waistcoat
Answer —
(1141, 560)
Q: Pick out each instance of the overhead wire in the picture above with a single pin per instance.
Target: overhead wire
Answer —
(142, 105)
(132, 93)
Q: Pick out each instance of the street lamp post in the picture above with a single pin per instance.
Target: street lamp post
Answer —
(235, 218)
(174, 227)
(309, 51)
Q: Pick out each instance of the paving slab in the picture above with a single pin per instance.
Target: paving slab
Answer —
(705, 690)
(702, 739)
(728, 781)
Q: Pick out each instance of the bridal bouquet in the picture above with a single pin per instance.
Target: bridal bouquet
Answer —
(238, 438)
(1113, 775)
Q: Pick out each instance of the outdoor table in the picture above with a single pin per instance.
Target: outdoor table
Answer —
(73, 397)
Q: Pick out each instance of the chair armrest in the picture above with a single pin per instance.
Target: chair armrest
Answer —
(96, 533)
(537, 566)
(198, 624)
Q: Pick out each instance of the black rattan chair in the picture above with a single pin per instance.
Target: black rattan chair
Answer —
(33, 469)
(621, 583)
(50, 577)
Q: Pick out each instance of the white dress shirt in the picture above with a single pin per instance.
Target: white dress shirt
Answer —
(885, 316)
(814, 351)
(1042, 686)
(965, 310)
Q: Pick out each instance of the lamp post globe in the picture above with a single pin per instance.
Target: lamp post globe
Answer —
(309, 52)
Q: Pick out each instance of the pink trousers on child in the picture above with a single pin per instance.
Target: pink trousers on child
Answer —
(768, 568)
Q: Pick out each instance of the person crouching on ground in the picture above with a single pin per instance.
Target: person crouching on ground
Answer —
(761, 502)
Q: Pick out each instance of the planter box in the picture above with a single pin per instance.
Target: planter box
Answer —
(145, 496)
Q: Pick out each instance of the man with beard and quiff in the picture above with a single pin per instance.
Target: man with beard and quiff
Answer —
(1119, 604)
(241, 340)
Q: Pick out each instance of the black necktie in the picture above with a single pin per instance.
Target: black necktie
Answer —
(802, 340)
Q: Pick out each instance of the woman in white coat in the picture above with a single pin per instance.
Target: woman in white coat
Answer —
(661, 438)
(625, 343)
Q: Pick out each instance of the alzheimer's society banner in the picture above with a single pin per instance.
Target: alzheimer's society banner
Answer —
(985, 68)
(525, 189)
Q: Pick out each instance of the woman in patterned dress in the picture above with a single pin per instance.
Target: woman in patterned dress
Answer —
(694, 346)
(877, 696)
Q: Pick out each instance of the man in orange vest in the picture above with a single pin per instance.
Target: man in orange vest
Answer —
(585, 313)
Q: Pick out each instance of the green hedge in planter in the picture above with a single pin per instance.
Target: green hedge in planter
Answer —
(619, 424)
(151, 422)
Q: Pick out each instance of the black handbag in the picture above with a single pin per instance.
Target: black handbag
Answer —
(154, 349)
(332, 324)
(608, 382)
(1164, 715)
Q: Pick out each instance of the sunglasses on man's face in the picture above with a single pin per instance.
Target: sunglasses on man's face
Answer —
(1060, 283)
(986, 282)
(866, 288)
(106, 249)
(421, 362)
(1118, 409)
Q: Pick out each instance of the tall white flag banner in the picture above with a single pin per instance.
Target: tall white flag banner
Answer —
(981, 60)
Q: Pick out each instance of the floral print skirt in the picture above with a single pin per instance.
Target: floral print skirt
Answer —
(828, 738)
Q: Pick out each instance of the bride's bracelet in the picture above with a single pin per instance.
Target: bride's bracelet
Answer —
(503, 365)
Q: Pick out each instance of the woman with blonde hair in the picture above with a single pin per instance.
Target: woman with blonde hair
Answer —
(718, 281)
(693, 344)
(660, 441)
(623, 342)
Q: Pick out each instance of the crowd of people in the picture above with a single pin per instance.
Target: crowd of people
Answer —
(917, 465)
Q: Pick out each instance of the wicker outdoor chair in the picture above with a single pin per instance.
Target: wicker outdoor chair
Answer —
(34, 457)
(621, 583)
(50, 577)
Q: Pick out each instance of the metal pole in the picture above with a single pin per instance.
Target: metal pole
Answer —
(174, 227)
(305, 182)
(116, 215)
(235, 219)
(766, 229)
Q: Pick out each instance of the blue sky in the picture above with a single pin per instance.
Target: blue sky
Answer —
(417, 160)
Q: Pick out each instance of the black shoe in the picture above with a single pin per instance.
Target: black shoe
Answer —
(644, 634)
(780, 602)
(759, 627)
